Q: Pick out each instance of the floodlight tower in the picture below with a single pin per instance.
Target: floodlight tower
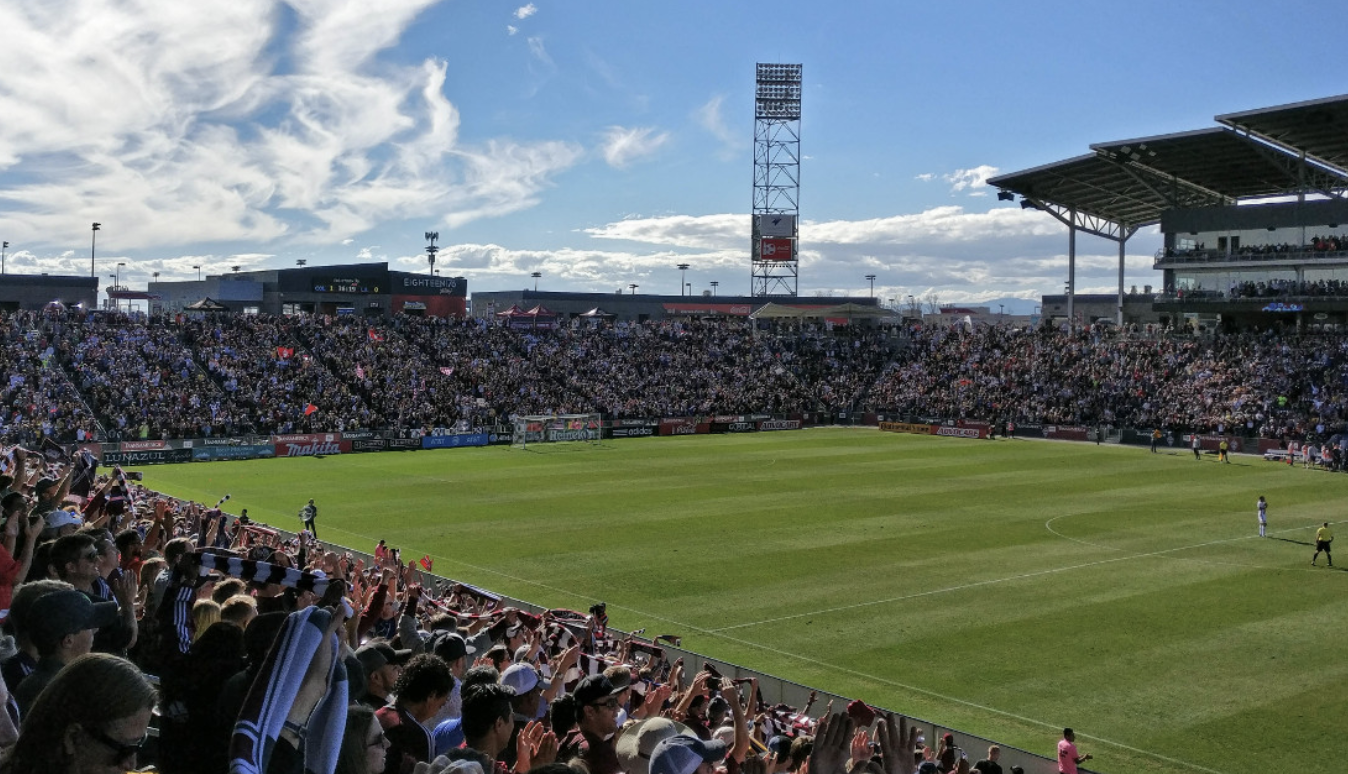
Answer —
(431, 249)
(774, 256)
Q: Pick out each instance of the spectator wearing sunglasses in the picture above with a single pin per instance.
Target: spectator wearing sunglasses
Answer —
(75, 559)
(92, 718)
(593, 739)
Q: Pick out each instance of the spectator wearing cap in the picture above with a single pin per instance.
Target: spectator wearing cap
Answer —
(638, 741)
(76, 560)
(50, 492)
(451, 647)
(526, 705)
(60, 522)
(596, 723)
(18, 666)
(93, 717)
(684, 754)
(61, 625)
(421, 690)
(382, 665)
(947, 754)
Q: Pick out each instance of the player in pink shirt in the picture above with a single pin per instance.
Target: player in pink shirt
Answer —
(1068, 758)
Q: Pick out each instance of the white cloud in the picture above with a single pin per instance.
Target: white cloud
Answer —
(972, 180)
(525, 11)
(621, 145)
(207, 122)
(540, 51)
(511, 29)
(711, 116)
(925, 177)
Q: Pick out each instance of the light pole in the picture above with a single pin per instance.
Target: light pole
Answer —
(536, 275)
(1000, 309)
(301, 261)
(683, 277)
(634, 287)
(871, 278)
(431, 249)
(93, 242)
(713, 284)
(3, 248)
(198, 268)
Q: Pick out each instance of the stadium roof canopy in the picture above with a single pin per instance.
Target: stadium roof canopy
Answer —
(1123, 185)
(1318, 127)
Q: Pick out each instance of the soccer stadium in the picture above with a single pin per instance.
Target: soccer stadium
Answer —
(347, 518)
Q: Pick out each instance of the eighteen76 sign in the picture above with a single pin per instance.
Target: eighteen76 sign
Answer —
(774, 249)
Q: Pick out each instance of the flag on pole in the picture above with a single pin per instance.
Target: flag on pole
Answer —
(427, 562)
(309, 408)
(375, 335)
(285, 353)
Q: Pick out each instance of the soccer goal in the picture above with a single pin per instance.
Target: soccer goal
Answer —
(555, 428)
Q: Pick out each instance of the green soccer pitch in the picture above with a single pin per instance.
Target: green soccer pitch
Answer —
(1007, 588)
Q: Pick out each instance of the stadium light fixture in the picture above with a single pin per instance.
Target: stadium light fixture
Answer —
(536, 275)
(431, 249)
(871, 279)
(633, 288)
(683, 277)
(3, 249)
(93, 242)
(197, 266)
(301, 261)
(713, 284)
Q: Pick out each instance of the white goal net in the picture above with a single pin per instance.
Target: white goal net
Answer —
(555, 428)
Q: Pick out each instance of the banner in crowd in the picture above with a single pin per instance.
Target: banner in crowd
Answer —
(454, 441)
(309, 444)
(151, 457)
(242, 452)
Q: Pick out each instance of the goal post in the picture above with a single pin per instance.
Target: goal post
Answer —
(555, 428)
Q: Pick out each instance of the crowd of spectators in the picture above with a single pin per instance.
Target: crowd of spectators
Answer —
(278, 654)
(118, 379)
(1317, 244)
(1282, 288)
(1260, 385)
(268, 381)
(36, 399)
(138, 377)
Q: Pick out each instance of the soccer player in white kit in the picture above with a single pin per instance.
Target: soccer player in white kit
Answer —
(1263, 516)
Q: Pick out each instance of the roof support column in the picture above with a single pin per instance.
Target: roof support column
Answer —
(1071, 269)
(1123, 240)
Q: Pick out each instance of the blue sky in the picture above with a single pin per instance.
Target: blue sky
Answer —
(601, 143)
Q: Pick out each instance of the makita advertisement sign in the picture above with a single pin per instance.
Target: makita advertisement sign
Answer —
(309, 444)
